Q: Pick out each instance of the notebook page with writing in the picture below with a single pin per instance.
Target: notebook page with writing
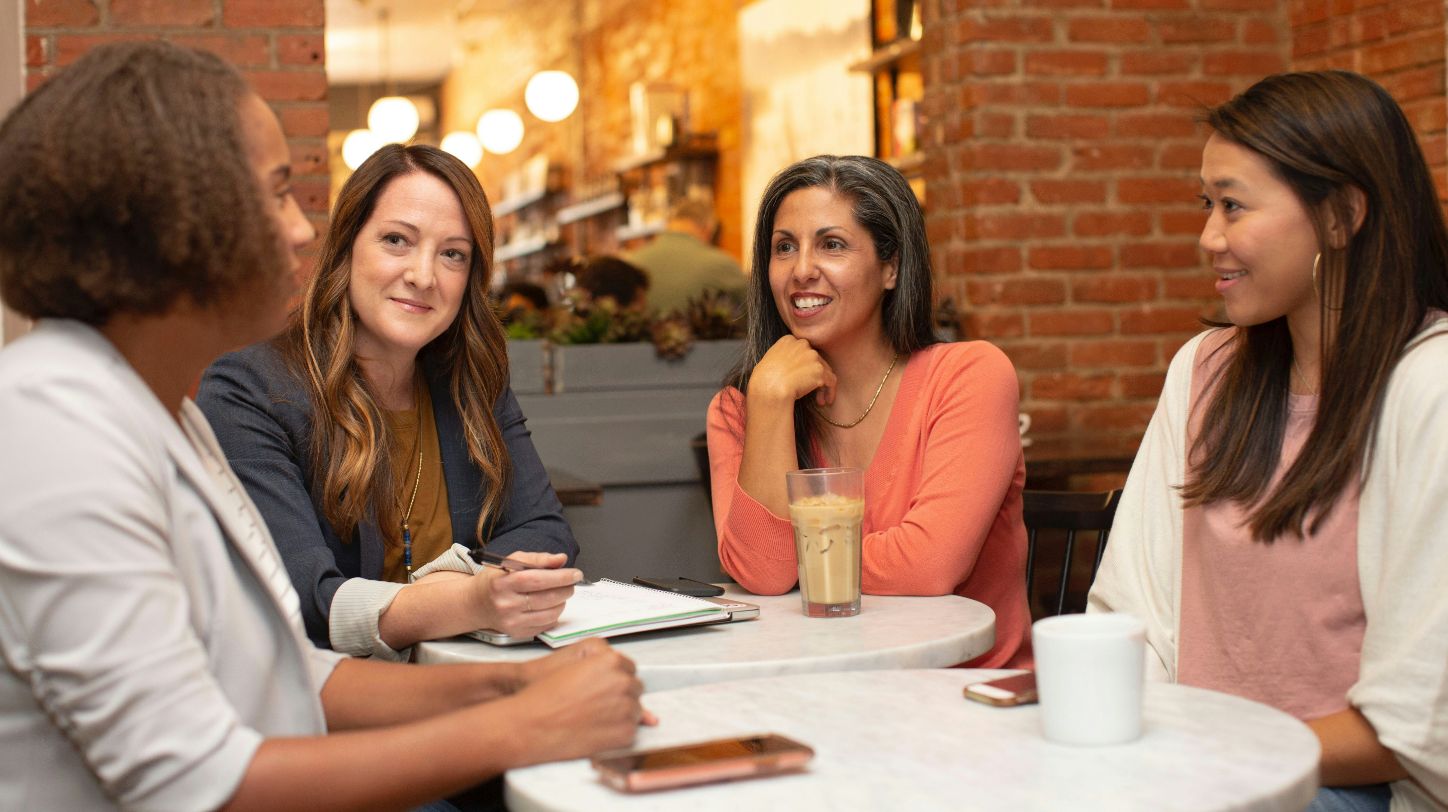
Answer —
(608, 608)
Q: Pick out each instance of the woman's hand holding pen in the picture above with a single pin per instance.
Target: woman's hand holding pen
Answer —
(524, 602)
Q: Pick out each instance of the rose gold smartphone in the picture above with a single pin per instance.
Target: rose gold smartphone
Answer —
(701, 763)
(1019, 689)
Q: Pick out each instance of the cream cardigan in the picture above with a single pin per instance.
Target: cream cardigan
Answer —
(1402, 685)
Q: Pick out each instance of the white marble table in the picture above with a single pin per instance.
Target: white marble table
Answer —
(909, 740)
(889, 632)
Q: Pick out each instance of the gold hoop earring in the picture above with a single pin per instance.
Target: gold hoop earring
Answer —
(1316, 261)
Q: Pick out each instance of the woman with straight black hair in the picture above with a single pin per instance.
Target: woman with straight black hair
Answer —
(1281, 533)
(841, 368)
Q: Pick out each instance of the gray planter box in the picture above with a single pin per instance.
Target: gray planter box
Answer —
(527, 362)
(622, 417)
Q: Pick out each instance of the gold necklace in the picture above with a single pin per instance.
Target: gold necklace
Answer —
(1302, 377)
(866, 413)
(407, 531)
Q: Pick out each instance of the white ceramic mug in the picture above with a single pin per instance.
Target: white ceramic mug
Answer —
(1023, 421)
(1089, 674)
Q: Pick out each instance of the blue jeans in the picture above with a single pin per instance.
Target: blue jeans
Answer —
(1371, 798)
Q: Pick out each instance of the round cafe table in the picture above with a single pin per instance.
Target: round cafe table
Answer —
(910, 740)
(889, 632)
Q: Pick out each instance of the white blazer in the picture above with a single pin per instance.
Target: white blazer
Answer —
(150, 636)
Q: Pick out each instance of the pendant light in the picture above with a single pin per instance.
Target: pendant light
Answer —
(464, 146)
(500, 130)
(551, 95)
(393, 118)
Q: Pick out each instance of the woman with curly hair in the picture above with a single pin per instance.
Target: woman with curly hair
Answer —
(378, 435)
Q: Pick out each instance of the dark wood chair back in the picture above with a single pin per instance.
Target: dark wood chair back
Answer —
(700, 446)
(1070, 513)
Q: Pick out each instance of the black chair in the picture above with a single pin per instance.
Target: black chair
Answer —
(1072, 513)
(700, 446)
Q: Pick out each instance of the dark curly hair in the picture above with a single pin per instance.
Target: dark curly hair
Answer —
(126, 186)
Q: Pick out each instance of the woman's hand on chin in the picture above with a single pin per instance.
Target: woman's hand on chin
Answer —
(526, 602)
(790, 370)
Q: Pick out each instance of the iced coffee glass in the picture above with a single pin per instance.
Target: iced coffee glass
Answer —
(827, 507)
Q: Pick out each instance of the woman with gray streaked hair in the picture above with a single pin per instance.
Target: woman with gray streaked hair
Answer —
(841, 368)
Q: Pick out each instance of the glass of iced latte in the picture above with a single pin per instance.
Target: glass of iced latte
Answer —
(827, 507)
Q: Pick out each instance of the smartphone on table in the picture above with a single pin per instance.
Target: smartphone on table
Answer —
(1017, 689)
(701, 763)
(683, 586)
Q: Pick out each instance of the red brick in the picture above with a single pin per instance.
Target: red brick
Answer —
(70, 47)
(309, 156)
(1231, 5)
(1414, 84)
(995, 125)
(244, 51)
(1106, 224)
(1155, 5)
(991, 260)
(993, 326)
(1007, 157)
(1072, 321)
(60, 14)
(1419, 49)
(1243, 63)
(1070, 257)
(1309, 41)
(301, 49)
(1157, 190)
(289, 85)
(1147, 320)
(1113, 289)
(1259, 32)
(304, 119)
(1153, 63)
(1014, 226)
(1007, 29)
(1068, 126)
(1016, 292)
(981, 62)
(1183, 222)
(273, 13)
(990, 191)
(162, 13)
(312, 194)
(1117, 30)
(1116, 156)
(1125, 416)
(1161, 255)
(1014, 93)
(1180, 156)
(1108, 94)
(1068, 191)
(1155, 125)
(1303, 12)
(1198, 286)
(1038, 355)
(1193, 94)
(1070, 386)
(1142, 384)
(1099, 353)
(34, 52)
(1066, 63)
(1199, 29)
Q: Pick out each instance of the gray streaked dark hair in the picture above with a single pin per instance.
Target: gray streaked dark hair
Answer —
(885, 205)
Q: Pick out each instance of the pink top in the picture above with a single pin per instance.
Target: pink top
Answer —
(942, 495)
(1279, 623)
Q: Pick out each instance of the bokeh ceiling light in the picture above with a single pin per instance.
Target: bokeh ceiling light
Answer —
(552, 95)
(358, 146)
(501, 131)
(464, 146)
(393, 118)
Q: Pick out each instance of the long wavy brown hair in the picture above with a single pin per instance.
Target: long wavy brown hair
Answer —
(1325, 134)
(350, 471)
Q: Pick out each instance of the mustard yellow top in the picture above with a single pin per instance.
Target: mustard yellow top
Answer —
(430, 523)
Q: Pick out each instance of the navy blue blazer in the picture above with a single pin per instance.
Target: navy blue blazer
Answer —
(262, 417)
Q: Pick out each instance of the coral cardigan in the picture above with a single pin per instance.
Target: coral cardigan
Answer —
(942, 495)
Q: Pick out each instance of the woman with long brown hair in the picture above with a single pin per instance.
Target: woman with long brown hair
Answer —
(153, 648)
(378, 435)
(1281, 530)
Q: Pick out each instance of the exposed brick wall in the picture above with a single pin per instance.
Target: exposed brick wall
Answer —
(1062, 181)
(278, 45)
(606, 44)
(1398, 43)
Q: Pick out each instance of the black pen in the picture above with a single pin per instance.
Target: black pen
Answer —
(496, 561)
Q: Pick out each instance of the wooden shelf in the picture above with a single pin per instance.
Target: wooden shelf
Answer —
(584, 209)
(522, 248)
(697, 146)
(887, 55)
(512, 204)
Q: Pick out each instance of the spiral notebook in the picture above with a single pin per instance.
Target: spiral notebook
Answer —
(608, 608)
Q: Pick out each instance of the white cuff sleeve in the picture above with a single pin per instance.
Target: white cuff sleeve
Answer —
(456, 559)
(357, 609)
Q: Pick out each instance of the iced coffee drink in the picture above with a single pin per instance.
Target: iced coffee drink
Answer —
(827, 544)
(827, 508)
